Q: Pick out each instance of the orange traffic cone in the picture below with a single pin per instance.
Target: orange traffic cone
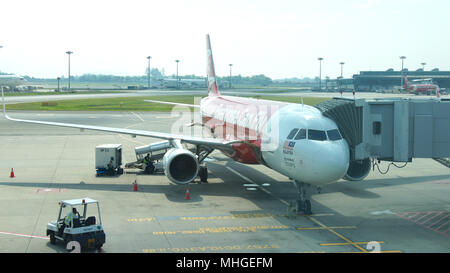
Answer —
(12, 173)
(188, 195)
(135, 187)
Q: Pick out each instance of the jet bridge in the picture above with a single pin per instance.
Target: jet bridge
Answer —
(394, 129)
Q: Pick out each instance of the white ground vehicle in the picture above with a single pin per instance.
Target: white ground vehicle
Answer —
(87, 231)
(108, 154)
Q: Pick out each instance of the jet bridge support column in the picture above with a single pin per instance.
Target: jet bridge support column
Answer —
(401, 126)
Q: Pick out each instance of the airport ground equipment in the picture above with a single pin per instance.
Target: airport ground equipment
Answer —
(155, 152)
(394, 129)
(86, 230)
(106, 153)
(179, 163)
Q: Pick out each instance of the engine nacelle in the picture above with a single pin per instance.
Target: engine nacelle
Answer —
(358, 170)
(180, 166)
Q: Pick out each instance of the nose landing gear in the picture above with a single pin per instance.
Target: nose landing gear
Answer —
(303, 202)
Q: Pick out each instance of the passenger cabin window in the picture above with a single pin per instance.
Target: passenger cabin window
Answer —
(301, 134)
(334, 135)
(292, 133)
(317, 135)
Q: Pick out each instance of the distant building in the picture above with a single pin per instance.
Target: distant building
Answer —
(385, 80)
(337, 84)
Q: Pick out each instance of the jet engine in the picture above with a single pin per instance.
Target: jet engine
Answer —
(358, 170)
(180, 165)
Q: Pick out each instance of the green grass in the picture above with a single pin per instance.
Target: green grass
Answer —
(132, 103)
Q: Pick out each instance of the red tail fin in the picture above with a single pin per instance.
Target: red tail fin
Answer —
(213, 89)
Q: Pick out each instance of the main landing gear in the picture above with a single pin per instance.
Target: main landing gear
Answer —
(203, 173)
(303, 202)
(202, 153)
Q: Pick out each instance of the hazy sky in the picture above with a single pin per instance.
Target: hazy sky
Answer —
(278, 38)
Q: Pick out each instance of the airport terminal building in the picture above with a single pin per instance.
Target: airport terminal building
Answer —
(387, 80)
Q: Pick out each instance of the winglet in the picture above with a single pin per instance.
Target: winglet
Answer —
(213, 89)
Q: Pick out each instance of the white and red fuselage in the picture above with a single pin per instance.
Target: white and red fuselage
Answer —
(293, 139)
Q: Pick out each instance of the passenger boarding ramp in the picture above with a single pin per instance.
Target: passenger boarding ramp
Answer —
(395, 130)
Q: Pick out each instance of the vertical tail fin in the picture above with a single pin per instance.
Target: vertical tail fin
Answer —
(213, 89)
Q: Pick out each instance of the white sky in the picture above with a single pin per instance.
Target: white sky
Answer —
(278, 38)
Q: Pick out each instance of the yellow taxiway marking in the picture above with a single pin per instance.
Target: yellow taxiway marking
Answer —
(216, 217)
(381, 251)
(345, 244)
(323, 226)
(211, 248)
(337, 234)
(245, 229)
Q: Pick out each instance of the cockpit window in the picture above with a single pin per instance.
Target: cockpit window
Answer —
(292, 133)
(334, 134)
(317, 135)
(301, 134)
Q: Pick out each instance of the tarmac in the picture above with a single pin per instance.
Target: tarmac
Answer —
(404, 211)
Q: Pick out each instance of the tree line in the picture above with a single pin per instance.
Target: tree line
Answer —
(156, 74)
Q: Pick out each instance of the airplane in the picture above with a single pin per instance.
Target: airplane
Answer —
(293, 139)
(173, 83)
(12, 81)
(421, 86)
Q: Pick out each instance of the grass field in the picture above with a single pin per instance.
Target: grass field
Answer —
(132, 103)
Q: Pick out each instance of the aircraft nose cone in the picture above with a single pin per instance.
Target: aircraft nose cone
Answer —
(331, 164)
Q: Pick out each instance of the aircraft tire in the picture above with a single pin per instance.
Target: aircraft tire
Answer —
(308, 207)
(52, 238)
(203, 173)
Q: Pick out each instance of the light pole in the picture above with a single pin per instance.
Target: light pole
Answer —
(148, 71)
(342, 69)
(177, 74)
(230, 74)
(423, 66)
(401, 74)
(58, 82)
(320, 73)
(68, 53)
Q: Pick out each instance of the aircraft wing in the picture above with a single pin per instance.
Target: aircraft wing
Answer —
(174, 103)
(208, 142)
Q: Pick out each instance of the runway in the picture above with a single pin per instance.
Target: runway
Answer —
(406, 210)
